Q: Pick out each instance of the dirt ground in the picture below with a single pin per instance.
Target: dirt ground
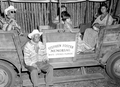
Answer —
(106, 82)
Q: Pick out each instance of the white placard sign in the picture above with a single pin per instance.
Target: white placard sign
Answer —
(60, 49)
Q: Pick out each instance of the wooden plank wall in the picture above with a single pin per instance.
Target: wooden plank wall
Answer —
(30, 15)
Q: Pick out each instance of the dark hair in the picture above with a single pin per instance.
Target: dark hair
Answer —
(103, 5)
(58, 10)
(63, 6)
(65, 15)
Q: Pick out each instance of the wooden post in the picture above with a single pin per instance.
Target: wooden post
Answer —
(60, 14)
(86, 10)
(8, 2)
(1, 6)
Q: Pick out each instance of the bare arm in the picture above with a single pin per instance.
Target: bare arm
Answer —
(70, 28)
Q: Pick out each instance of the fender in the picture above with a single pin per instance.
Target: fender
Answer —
(107, 55)
(16, 65)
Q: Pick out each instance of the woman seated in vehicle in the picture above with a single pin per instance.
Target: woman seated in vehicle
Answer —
(9, 23)
(91, 34)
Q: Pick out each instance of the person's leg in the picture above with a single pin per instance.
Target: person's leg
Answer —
(90, 37)
(49, 74)
(33, 75)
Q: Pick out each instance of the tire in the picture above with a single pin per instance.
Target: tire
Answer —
(113, 66)
(7, 75)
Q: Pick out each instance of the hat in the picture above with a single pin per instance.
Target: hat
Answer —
(9, 8)
(35, 31)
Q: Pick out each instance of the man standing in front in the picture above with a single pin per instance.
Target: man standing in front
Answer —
(36, 60)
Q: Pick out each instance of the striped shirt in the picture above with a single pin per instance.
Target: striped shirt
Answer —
(34, 52)
(9, 25)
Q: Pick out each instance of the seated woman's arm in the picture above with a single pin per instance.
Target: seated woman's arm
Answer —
(110, 21)
(69, 26)
(56, 20)
(105, 21)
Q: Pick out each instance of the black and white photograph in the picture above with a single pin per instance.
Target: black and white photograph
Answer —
(59, 43)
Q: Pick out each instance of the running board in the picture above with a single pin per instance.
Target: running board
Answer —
(61, 79)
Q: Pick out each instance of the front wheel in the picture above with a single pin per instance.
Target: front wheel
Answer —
(7, 75)
(113, 66)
